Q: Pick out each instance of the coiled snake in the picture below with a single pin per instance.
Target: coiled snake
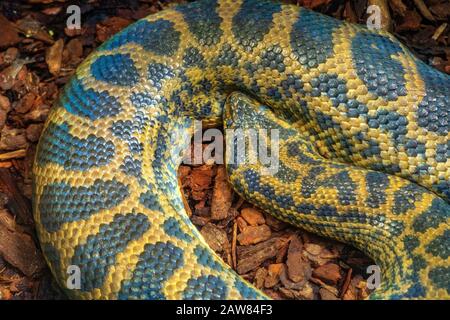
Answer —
(364, 149)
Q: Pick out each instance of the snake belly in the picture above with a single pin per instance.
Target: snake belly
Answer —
(105, 194)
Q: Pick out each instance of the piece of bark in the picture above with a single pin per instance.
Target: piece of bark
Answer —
(222, 195)
(110, 26)
(348, 278)
(252, 216)
(273, 274)
(53, 57)
(329, 273)
(5, 104)
(410, 22)
(241, 223)
(288, 283)
(24, 105)
(281, 255)
(201, 177)
(250, 257)
(33, 131)
(9, 35)
(74, 51)
(298, 266)
(327, 295)
(13, 139)
(200, 221)
(260, 276)
(254, 234)
(215, 237)
(275, 224)
(18, 204)
(19, 250)
(398, 6)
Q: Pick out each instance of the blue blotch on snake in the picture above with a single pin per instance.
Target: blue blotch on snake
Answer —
(376, 185)
(340, 181)
(273, 58)
(144, 100)
(286, 174)
(415, 148)
(172, 227)
(310, 44)
(434, 109)
(74, 153)
(125, 130)
(227, 56)
(442, 152)
(150, 200)
(158, 73)
(193, 58)
(205, 288)
(205, 258)
(131, 166)
(88, 102)
(61, 202)
(372, 57)
(253, 22)
(406, 197)
(203, 21)
(156, 264)
(335, 88)
(437, 213)
(440, 246)
(440, 276)
(117, 69)
(390, 122)
(98, 253)
(159, 37)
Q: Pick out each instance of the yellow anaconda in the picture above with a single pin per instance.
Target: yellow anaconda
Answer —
(364, 149)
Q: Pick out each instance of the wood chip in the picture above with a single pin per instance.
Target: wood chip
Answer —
(254, 234)
(298, 267)
(53, 57)
(329, 273)
(215, 237)
(260, 277)
(327, 295)
(222, 195)
(110, 27)
(398, 6)
(273, 274)
(18, 204)
(250, 257)
(20, 251)
(253, 216)
(13, 139)
(9, 35)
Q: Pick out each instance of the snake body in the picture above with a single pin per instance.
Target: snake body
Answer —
(364, 150)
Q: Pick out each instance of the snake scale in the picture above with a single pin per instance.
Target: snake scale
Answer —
(364, 150)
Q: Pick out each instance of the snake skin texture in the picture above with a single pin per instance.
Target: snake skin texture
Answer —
(364, 150)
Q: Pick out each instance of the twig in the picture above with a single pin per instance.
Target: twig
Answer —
(424, 10)
(346, 284)
(233, 246)
(13, 154)
(439, 31)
